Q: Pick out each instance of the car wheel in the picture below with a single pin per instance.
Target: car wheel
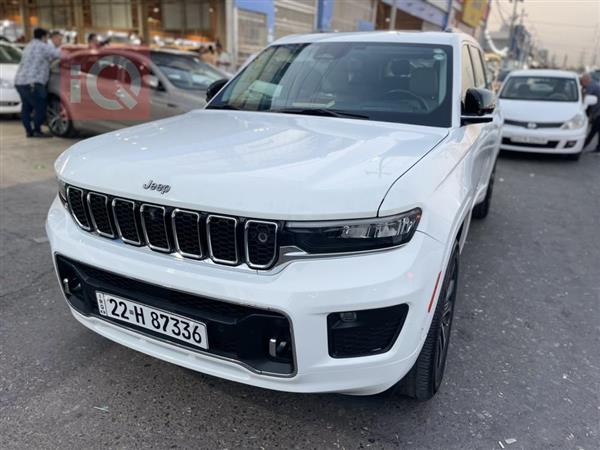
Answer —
(574, 156)
(481, 210)
(425, 377)
(59, 119)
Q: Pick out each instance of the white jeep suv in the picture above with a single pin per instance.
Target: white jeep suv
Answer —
(302, 233)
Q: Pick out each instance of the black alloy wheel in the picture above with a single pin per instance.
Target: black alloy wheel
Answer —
(425, 377)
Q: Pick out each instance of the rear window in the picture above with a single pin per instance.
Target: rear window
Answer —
(550, 89)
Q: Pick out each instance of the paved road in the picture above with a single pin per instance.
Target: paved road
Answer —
(523, 368)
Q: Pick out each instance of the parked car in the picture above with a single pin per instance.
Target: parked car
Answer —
(303, 233)
(176, 83)
(544, 112)
(10, 57)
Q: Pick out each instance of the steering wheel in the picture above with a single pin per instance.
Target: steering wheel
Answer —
(403, 93)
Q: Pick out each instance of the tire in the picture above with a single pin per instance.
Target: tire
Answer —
(425, 377)
(59, 119)
(481, 210)
(573, 156)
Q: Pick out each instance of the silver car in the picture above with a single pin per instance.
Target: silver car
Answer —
(173, 82)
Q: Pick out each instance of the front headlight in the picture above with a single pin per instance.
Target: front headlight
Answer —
(352, 235)
(578, 121)
(6, 83)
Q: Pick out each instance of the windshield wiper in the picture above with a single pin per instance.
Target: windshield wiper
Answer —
(320, 112)
(235, 108)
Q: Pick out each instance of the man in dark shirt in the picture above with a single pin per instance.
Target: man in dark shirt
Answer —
(590, 87)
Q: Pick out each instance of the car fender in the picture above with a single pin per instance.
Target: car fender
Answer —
(443, 185)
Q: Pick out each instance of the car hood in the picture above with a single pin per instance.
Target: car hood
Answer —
(253, 164)
(8, 71)
(532, 111)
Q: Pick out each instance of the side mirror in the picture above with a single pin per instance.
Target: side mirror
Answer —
(151, 81)
(478, 106)
(590, 100)
(215, 87)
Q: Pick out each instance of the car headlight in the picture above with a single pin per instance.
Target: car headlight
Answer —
(352, 235)
(6, 83)
(578, 121)
(62, 190)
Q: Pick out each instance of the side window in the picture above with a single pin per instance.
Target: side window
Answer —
(468, 78)
(478, 68)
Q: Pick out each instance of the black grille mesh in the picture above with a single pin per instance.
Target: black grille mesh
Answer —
(191, 233)
(262, 243)
(187, 232)
(77, 205)
(125, 217)
(222, 235)
(100, 213)
(153, 218)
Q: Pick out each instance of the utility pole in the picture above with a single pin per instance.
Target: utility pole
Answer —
(393, 16)
(596, 46)
(513, 22)
(565, 60)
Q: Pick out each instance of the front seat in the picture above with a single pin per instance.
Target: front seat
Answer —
(424, 83)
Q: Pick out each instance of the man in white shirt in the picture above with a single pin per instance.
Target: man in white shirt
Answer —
(31, 79)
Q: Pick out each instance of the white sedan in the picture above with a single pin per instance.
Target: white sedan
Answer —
(10, 56)
(544, 112)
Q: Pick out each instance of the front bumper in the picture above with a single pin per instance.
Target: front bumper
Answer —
(10, 102)
(557, 141)
(306, 292)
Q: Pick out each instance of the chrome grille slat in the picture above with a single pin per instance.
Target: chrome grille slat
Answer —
(190, 234)
(188, 241)
(100, 214)
(77, 205)
(260, 243)
(154, 224)
(124, 212)
(222, 239)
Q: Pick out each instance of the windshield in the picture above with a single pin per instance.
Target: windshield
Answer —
(404, 83)
(186, 72)
(550, 89)
(9, 55)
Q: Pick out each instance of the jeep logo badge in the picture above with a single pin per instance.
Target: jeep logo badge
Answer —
(162, 188)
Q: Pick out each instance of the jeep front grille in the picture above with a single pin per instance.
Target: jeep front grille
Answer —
(192, 234)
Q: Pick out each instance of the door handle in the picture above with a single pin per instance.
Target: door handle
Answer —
(171, 105)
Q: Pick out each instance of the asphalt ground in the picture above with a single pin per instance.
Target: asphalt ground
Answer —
(523, 367)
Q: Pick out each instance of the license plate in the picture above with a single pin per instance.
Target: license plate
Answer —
(157, 320)
(529, 140)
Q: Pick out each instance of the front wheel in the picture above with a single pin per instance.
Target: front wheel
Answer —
(425, 377)
(481, 210)
(59, 119)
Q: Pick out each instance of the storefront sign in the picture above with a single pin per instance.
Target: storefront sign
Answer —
(473, 12)
(421, 9)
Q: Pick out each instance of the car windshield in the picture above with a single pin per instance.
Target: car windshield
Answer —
(9, 55)
(186, 72)
(550, 89)
(404, 83)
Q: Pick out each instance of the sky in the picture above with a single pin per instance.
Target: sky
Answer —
(564, 27)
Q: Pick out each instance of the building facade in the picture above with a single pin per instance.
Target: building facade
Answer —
(243, 27)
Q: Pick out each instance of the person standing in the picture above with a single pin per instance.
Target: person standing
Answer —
(590, 87)
(30, 81)
(56, 39)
